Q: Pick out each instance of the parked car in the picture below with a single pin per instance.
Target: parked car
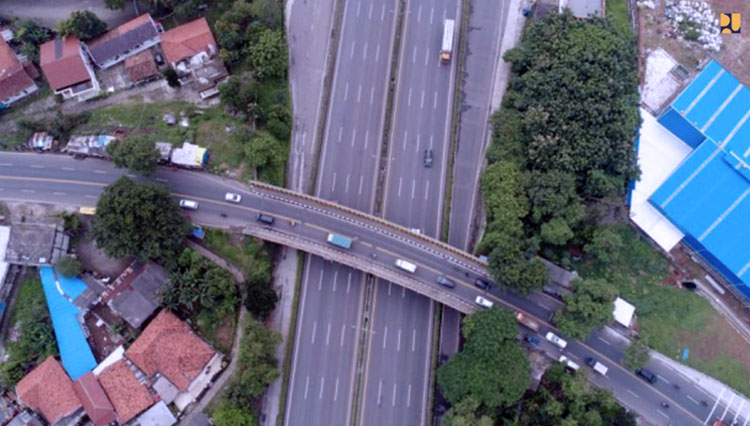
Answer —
(554, 338)
(532, 340)
(232, 197)
(597, 366)
(189, 204)
(569, 363)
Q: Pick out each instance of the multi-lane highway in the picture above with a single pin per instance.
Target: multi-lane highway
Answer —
(58, 179)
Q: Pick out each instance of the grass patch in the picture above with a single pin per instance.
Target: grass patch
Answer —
(672, 319)
(242, 251)
(617, 12)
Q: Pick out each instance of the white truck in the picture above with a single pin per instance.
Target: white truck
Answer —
(406, 266)
(597, 366)
(447, 49)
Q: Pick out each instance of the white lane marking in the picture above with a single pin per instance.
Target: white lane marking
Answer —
(434, 101)
(341, 133)
(398, 342)
(102, 172)
(400, 182)
(408, 396)
(156, 179)
(349, 280)
(426, 56)
(729, 404)
(336, 387)
(393, 402)
(372, 94)
(426, 190)
(633, 393)
(380, 391)
(93, 197)
(695, 401)
(382, 12)
(346, 190)
(351, 52)
(413, 187)
(369, 16)
(335, 279)
(333, 183)
(432, 14)
(377, 54)
(403, 292)
(367, 137)
(421, 103)
(390, 285)
(405, 137)
(416, 145)
(343, 331)
(322, 386)
(430, 141)
(359, 6)
(747, 418)
(71, 169)
(409, 100)
(734, 420)
(662, 413)
(36, 166)
(130, 175)
(602, 340)
(385, 337)
(414, 55)
(354, 134)
(58, 193)
(28, 191)
(315, 330)
(413, 339)
(419, 13)
(307, 385)
(545, 306)
(8, 165)
(320, 281)
(359, 93)
(361, 180)
(328, 334)
(663, 379)
(715, 404)
(346, 91)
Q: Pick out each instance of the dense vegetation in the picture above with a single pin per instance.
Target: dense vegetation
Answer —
(83, 24)
(68, 266)
(137, 153)
(139, 219)
(36, 338)
(491, 371)
(588, 308)
(562, 147)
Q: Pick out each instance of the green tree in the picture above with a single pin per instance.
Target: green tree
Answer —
(556, 232)
(139, 220)
(136, 153)
(605, 245)
(114, 4)
(232, 415)
(83, 24)
(268, 56)
(268, 12)
(257, 367)
(637, 355)
(464, 413)
(68, 266)
(590, 306)
(173, 80)
(491, 368)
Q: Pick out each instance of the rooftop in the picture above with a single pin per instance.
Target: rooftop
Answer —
(128, 395)
(49, 390)
(136, 294)
(187, 40)
(94, 400)
(36, 244)
(13, 77)
(168, 346)
(62, 63)
(140, 66)
(120, 40)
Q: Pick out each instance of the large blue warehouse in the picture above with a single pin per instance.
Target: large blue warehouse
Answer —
(706, 197)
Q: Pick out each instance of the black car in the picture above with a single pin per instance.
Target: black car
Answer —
(428, 158)
(445, 281)
(646, 375)
(264, 218)
(484, 285)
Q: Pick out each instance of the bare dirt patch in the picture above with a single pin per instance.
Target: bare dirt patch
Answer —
(94, 259)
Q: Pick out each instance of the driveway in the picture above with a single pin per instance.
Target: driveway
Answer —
(48, 12)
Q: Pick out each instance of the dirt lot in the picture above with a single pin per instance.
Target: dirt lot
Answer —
(656, 31)
(93, 259)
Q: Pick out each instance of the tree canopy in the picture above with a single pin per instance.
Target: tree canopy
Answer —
(491, 369)
(590, 306)
(83, 24)
(68, 266)
(637, 355)
(138, 219)
(136, 153)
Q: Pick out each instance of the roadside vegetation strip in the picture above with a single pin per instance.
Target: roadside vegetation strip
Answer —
(455, 116)
(363, 354)
(286, 368)
(437, 321)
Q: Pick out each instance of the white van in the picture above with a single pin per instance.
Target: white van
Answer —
(406, 266)
(189, 204)
(597, 366)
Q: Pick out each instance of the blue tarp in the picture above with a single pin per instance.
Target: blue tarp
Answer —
(76, 355)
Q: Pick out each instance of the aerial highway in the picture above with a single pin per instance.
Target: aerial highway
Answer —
(307, 220)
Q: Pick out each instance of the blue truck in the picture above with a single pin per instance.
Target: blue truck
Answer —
(340, 241)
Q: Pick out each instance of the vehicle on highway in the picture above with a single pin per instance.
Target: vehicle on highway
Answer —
(340, 241)
(568, 363)
(447, 48)
(484, 285)
(554, 338)
(528, 322)
(189, 204)
(415, 231)
(597, 366)
(264, 218)
(481, 301)
(427, 158)
(406, 265)
(646, 375)
(665, 405)
(232, 197)
(445, 282)
(532, 340)
(87, 211)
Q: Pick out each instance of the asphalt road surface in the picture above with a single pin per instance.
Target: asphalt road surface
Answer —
(347, 175)
(60, 179)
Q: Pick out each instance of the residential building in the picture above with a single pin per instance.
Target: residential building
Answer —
(67, 69)
(34, 244)
(158, 415)
(15, 81)
(48, 390)
(94, 400)
(128, 395)
(178, 363)
(136, 293)
(126, 40)
(141, 67)
(189, 45)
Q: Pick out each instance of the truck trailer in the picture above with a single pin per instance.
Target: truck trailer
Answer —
(528, 322)
(340, 241)
(447, 49)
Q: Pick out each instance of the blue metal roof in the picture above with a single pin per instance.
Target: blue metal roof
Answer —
(708, 196)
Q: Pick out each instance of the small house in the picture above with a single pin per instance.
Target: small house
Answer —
(126, 40)
(67, 69)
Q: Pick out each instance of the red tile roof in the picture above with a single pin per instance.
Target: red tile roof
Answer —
(128, 395)
(62, 63)
(49, 390)
(168, 346)
(94, 400)
(13, 78)
(187, 40)
(140, 66)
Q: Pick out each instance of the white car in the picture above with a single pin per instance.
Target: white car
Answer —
(481, 301)
(189, 204)
(552, 337)
(232, 197)
(568, 363)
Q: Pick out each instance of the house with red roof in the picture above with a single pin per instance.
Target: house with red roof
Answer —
(178, 363)
(15, 81)
(67, 69)
(95, 402)
(189, 45)
(128, 39)
(128, 395)
(48, 390)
